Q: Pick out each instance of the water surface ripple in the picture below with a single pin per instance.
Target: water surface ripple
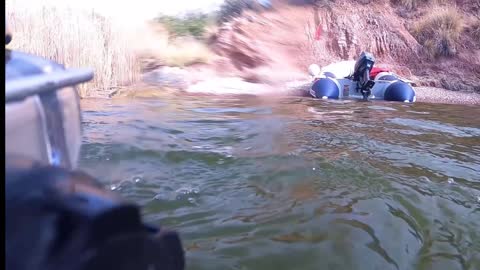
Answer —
(296, 183)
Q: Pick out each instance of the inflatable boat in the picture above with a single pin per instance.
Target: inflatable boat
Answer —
(359, 81)
(42, 108)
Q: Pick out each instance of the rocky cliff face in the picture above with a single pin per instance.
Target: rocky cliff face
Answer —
(284, 38)
(349, 31)
(232, 42)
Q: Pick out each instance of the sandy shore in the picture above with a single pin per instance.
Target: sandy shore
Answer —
(439, 95)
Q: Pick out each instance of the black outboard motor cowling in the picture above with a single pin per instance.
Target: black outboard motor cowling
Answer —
(58, 219)
(364, 63)
(361, 74)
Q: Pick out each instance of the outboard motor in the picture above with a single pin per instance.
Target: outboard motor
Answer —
(58, 219)
(361, 74)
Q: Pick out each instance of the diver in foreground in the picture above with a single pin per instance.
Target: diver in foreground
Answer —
(58, 218)
(359, 80)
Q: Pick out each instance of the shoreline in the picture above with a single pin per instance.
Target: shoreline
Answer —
(219, 85)
(443, 96)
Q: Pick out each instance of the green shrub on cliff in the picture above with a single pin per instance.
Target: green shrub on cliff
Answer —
(439, 31)
(192, 24)
(232, 8)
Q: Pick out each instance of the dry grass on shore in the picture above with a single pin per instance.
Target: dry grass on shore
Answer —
(75, 39)
(157, 47)
(475, 30)
(413, 4)
(409, 4)
(187, 53)
(79, 38)
(439, 31)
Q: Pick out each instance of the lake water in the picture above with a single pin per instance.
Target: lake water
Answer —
(295, 183)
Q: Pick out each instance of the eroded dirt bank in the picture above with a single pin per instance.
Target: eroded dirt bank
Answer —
(289, 37)
(265, 51)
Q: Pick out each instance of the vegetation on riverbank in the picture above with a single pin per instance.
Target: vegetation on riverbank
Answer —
(75, 39)
(184, 40)
(475, 30)
(231, 9)
(178, 53)
(248, 40)
(414, 4)
(78, 38)
(439, 31)
(192, 24)
(409, 4)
